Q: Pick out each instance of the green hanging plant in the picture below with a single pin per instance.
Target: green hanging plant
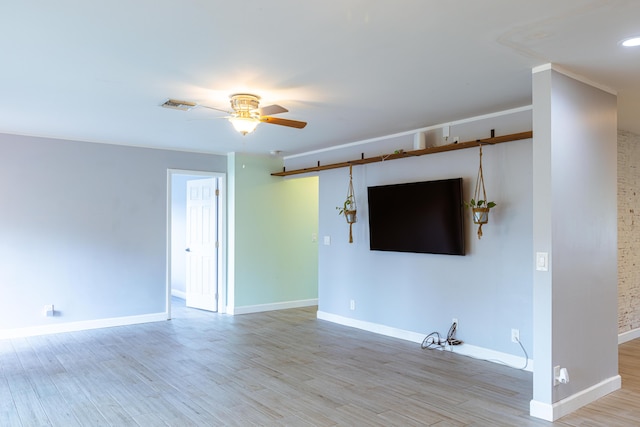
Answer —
(479, 204)
(347, 205)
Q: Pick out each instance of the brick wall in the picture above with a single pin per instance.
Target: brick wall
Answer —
(628, 231)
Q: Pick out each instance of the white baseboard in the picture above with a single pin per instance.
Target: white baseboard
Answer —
(246, 309)
(371, 327)
(81, 325)
(552, 412)
(178, 294)
(510, 360)
(628, 336)
(464, 349)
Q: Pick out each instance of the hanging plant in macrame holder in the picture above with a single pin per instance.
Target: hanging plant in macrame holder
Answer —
(479, 204)
(349, 208)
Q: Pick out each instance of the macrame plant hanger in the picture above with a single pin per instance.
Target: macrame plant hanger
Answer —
(480, 213)
(350, 207)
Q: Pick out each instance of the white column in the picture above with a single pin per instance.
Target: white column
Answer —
(575, 223)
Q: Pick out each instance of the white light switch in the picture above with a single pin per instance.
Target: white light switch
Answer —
(327, 240)
(542, 261)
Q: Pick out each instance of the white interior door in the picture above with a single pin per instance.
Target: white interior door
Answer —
(202, 244)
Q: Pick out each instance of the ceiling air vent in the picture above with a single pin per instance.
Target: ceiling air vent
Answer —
(178, 105)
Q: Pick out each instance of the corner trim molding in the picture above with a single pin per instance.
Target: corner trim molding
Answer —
(551, 412)
(464, 350)
(571, 74)
(81, 325)
(413, 131)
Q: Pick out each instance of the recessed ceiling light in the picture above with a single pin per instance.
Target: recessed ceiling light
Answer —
(634, 41)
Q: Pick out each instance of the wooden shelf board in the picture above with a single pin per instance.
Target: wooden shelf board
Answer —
(412, 153)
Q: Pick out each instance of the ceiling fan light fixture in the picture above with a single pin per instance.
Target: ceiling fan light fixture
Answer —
(246, 119)
(244, 101)
(244, 125)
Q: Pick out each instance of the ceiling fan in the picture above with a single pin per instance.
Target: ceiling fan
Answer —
(246, 113)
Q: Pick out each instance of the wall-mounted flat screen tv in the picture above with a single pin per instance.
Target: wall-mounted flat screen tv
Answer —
(422, 217)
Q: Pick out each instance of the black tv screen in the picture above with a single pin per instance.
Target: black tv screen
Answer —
(422, 217)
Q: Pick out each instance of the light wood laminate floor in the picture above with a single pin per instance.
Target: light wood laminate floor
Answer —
(272, 369)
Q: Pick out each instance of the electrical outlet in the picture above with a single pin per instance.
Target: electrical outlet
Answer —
(352, 304)
(556, 375)
(515, 335)
(48, 310)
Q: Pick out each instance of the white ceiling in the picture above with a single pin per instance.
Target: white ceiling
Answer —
(354, 69)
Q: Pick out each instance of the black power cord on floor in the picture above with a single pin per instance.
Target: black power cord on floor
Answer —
(435, 340)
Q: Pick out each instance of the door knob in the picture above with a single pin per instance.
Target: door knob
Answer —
(188, 250)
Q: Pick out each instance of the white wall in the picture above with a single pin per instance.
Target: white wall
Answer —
(488, 290)
(84, 228)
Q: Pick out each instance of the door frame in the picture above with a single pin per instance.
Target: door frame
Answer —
(222, 235)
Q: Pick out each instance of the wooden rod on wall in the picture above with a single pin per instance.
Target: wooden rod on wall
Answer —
(412, 153)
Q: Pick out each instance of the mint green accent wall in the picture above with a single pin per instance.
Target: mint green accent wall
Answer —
(272, 221)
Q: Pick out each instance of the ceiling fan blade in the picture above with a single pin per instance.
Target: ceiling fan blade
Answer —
(216, 109)
(283, 122)
(177, 104)
(271, 109)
